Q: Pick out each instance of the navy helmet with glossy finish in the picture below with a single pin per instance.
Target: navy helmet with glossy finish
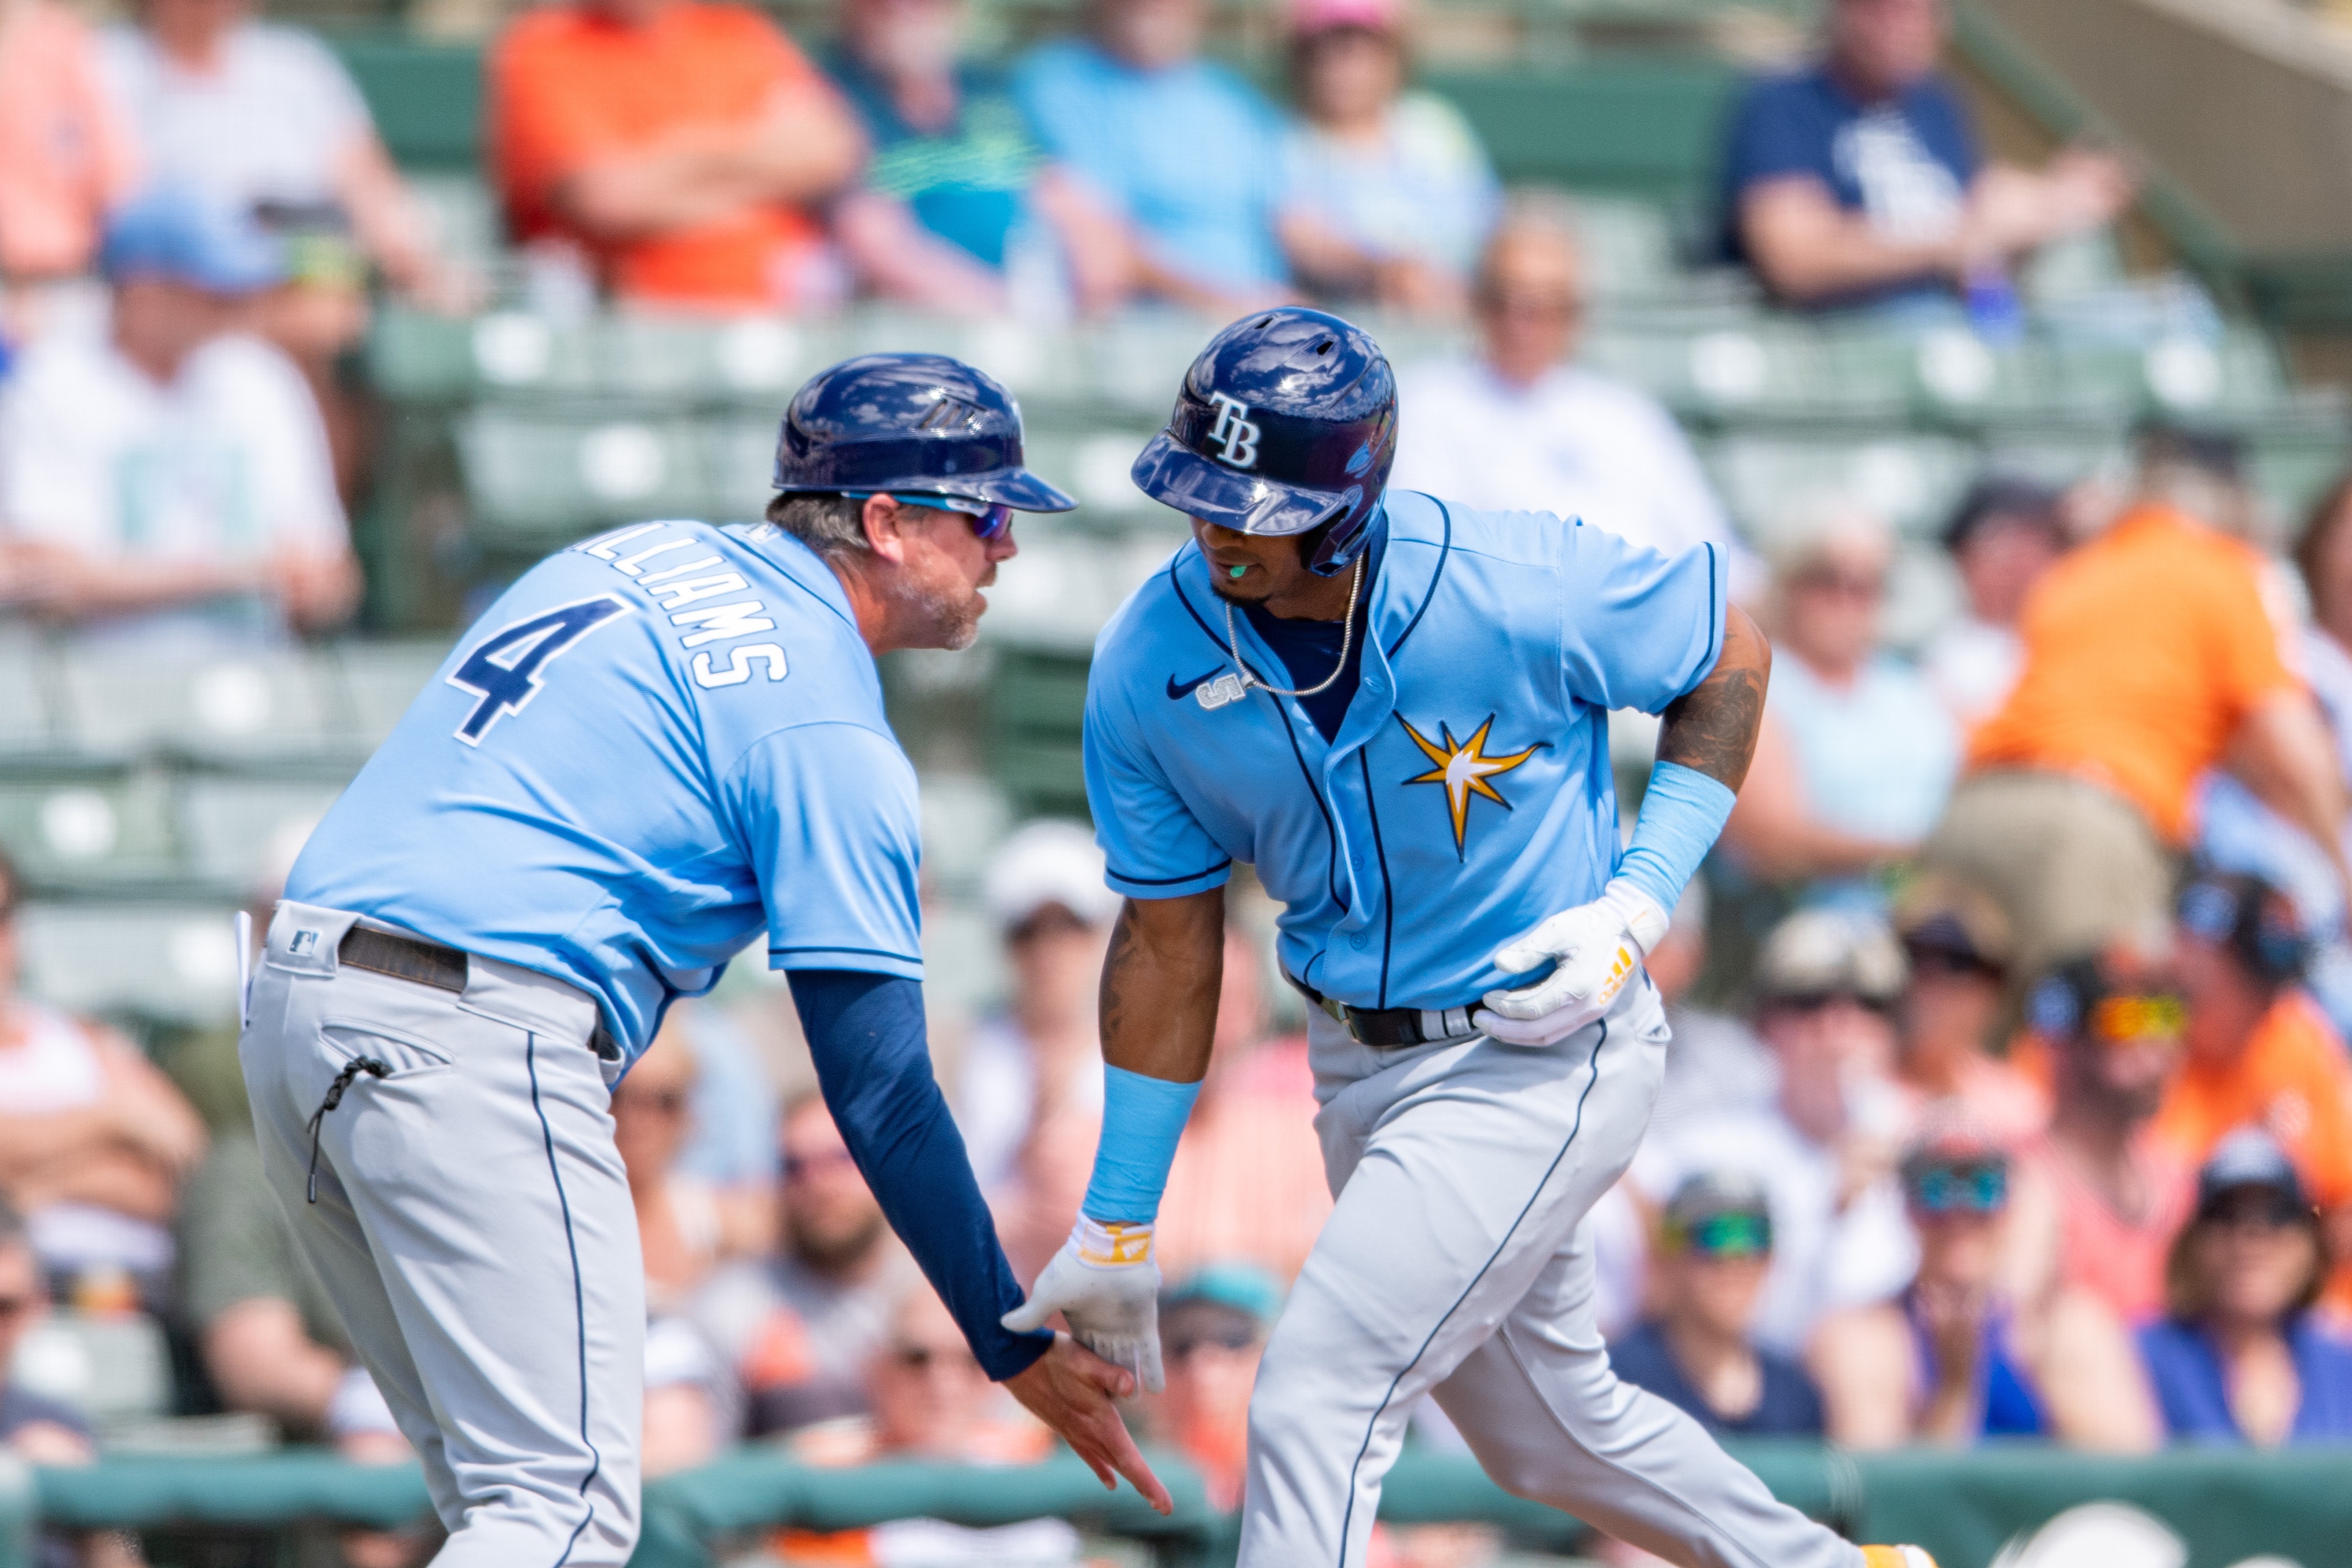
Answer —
(1286, 424)
(918, 422)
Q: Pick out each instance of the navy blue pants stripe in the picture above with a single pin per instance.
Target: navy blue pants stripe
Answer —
(1347, 1518)
(579, 1296)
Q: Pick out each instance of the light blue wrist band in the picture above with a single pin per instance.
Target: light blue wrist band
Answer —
(1681, 813)
(1143, 1118)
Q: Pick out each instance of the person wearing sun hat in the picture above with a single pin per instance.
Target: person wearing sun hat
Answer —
(1387, 193)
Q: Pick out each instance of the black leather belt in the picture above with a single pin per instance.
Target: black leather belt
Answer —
(1390, 1029)
(430, 964)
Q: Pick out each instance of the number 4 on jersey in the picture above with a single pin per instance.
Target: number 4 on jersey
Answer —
(503, 669)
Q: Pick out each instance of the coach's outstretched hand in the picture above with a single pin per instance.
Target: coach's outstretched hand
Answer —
(1070, 1388)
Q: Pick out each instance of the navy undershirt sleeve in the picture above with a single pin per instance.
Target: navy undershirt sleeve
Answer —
(868, 1036)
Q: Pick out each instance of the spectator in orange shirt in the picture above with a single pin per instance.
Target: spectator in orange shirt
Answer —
(1248, 1183)
(680, 144)
(2099, 1197)
(2261, 1054)
(2151, 656)
(65, 154)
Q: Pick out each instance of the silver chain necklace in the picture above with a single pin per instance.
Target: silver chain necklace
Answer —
(1347, 637)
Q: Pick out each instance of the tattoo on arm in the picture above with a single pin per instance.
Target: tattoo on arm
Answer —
(1712, 729)
(1160, 979)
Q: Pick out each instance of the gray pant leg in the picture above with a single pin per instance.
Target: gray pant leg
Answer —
(1548, 1420)
(1461, 1171)
(483, 1246)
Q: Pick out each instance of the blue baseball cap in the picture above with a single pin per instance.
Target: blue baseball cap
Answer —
(1239, 1287)
(175, 233)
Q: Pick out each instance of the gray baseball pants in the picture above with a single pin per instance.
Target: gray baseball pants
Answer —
(470, 1219)
(1453, 1266)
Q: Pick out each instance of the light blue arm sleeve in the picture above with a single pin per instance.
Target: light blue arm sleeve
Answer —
(1638, 628)
(827, 814)
(1154, 845)
(1143, 1121)
(1681, 813)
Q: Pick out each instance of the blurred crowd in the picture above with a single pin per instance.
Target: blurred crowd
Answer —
(196, 211)
(2009, 1093)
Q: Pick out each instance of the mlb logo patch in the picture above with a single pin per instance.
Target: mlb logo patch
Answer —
(304, 944)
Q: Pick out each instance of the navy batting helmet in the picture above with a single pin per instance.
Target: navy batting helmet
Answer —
(918, 422)
(1286, 424)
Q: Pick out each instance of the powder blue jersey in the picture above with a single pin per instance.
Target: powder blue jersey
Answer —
(656, 744)
(1468, 793)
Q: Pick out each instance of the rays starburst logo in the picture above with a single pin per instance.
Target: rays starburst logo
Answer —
(1462, 769)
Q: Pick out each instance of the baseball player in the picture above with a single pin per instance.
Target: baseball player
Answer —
(1397, 709)
(656, 746)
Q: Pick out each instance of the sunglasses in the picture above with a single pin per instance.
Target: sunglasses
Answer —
(1816, 1002)
(1853, 584)
(923, 1358)
(1973, 1186)
(663, 1103)
(1233, 1340)
(798, 1167)
(2125, 1019)
(1723, 1236)
(1944, 961)
(14, 1307)
(990, 520)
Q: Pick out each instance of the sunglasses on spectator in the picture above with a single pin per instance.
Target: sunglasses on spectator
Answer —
(990, 520)
(1559, 307)
(2127, 1020)
(1816, 1002)
(14, 1307)
(1959, 1187)
(662, 1102)
(2265, 1209)
(798, 1166)
(924, 1358)
(1233, 1339)
(1723, 1236)
(1944, 961)
(1853, 584)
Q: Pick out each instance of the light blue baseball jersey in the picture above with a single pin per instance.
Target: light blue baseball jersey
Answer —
(1468, 793)
(653, 744)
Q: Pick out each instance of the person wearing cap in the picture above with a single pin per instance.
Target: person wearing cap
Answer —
(660, 745)
(1518, 426)
(1387, 193)
(1408, 743)
(1824, 1141)
(169, 483)
(2239, 1358)
(1956, 945)
(1043, 890)
(2001, 537)
(1183, 151)
(1697, 1348)
(1213, 1325)
(2099, 1196)
(2261, 1053)
(1953, 1361)
(2151, 655)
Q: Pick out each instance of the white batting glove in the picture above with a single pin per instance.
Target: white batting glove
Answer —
(1599, 948)
(1106, 1288)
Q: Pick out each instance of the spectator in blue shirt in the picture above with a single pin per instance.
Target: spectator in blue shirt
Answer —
(2241, 1359)
(1697, 1350)
(959, 210)
(1186, 152)
(1858, 181)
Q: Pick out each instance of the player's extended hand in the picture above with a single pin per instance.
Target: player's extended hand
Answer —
(1599, 949)
(1070, 1389)
(1106, 1288)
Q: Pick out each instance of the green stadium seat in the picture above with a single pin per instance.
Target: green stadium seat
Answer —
(240, 831)
(534, 475)
(1768, 480)
(1629, 247)
(377, 681)
(26, 726)
(169, 962)
(1037, 712)
(95, 832)
(240, 708)
(414, 356)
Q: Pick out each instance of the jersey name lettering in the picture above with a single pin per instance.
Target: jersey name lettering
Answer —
(674, 587)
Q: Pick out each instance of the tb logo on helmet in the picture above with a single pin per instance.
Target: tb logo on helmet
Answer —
(1235, 430)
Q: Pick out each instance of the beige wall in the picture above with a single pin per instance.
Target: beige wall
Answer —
(2247, 103)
